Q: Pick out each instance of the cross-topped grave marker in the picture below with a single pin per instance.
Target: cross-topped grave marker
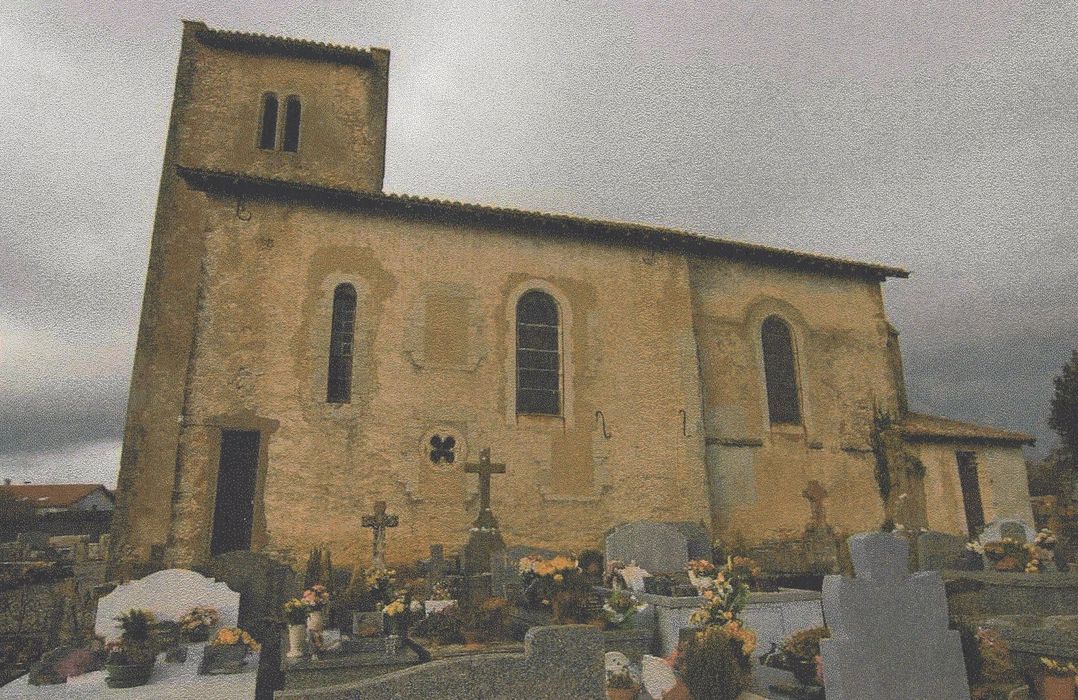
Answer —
(815, 493)
(379, 522)
(484, 468)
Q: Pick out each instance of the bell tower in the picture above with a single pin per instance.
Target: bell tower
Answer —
(248, 105)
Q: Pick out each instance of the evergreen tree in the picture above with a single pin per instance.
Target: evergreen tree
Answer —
(1064, 416)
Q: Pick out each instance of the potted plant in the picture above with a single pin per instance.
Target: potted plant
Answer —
(620, 685)
(131, 657)
(800, 651)
(712, 665)
(1059, 679)
(620, 608)
(396, 614)
(196, 624)
(295, 613)
(227, 653)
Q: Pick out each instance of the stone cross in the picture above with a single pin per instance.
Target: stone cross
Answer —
(484, 469)
(379, 522)
(815, 493)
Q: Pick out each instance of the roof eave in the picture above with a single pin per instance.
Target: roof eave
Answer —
(649, 236)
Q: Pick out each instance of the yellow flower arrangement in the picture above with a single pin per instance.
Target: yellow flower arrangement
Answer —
(228, 636)
(395, 608)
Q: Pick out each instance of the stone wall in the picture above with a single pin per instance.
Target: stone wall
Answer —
(558, 662)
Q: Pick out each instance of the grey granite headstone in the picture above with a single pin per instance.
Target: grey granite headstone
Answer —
(1015, 529)
(34, 540)
(938, 551)
(699, 539)
(657, 547)
(889, 636)
(264, 585)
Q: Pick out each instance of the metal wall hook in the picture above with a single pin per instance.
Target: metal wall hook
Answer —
(241, 211)
(684, 422)
(599, 417)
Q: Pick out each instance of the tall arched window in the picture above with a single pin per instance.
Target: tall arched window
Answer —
(290, 139)
(339, 387)
(538, 355)
(780, 371)
(267, 134)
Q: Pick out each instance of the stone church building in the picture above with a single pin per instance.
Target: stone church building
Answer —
(310, 344)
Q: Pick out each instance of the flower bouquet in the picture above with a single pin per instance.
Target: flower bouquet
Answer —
(543, 579)
(701, 574)
(227, 653)
(295, 613)
(620, 608)
(196, 624)
(1059, 680)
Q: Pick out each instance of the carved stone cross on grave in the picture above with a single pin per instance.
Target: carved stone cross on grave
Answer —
(379, 522)
(815, 493)
(484, 469)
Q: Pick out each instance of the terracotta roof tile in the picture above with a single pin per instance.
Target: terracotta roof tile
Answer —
(51, 495)
(920, 426)
(555, 224)
(265, 43)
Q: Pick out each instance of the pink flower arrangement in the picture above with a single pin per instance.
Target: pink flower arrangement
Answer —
(316, 597)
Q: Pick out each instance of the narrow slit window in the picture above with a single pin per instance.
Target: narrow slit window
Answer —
(780, 372)
(339, 387)
(290, 139)
(538, 355)
(267, 135)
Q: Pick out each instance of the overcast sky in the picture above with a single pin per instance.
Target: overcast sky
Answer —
(938, 137)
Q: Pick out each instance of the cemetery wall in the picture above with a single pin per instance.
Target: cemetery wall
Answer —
(38, 610)
(1001, 473)
(844, 366)
(434, 353)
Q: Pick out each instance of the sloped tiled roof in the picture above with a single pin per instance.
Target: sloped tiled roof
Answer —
(553, 224)
(920, 426)
(51, 495)
(280, 45)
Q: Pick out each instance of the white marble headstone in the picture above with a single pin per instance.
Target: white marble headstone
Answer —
(889, 636)
(168, 594)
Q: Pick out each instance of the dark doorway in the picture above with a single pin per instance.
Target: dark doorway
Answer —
(971, 490)
(233, 513)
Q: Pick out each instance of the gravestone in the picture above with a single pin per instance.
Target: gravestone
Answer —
(698, 537)
(379, 522)
(506, 580)
(939, 551)
(484, 539)
(34, 540)
(657, 547)
(889, 636)
(264, 585)
(168, 594)
(1001, 528)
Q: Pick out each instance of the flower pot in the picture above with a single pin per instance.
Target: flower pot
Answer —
(1058, 687)
(230, 658)
(196, 636)
(315, 622)
(297, 637)
(622, 693)
(128, 675)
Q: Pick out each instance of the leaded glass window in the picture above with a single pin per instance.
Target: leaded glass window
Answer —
(339, 388)
(538, 355)
(267, 136)
(780, 371)
(290, 138)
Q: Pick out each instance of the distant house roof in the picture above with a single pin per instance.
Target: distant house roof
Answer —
(552, 224)
(926, 428)
(52, 495)
(279, 45)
